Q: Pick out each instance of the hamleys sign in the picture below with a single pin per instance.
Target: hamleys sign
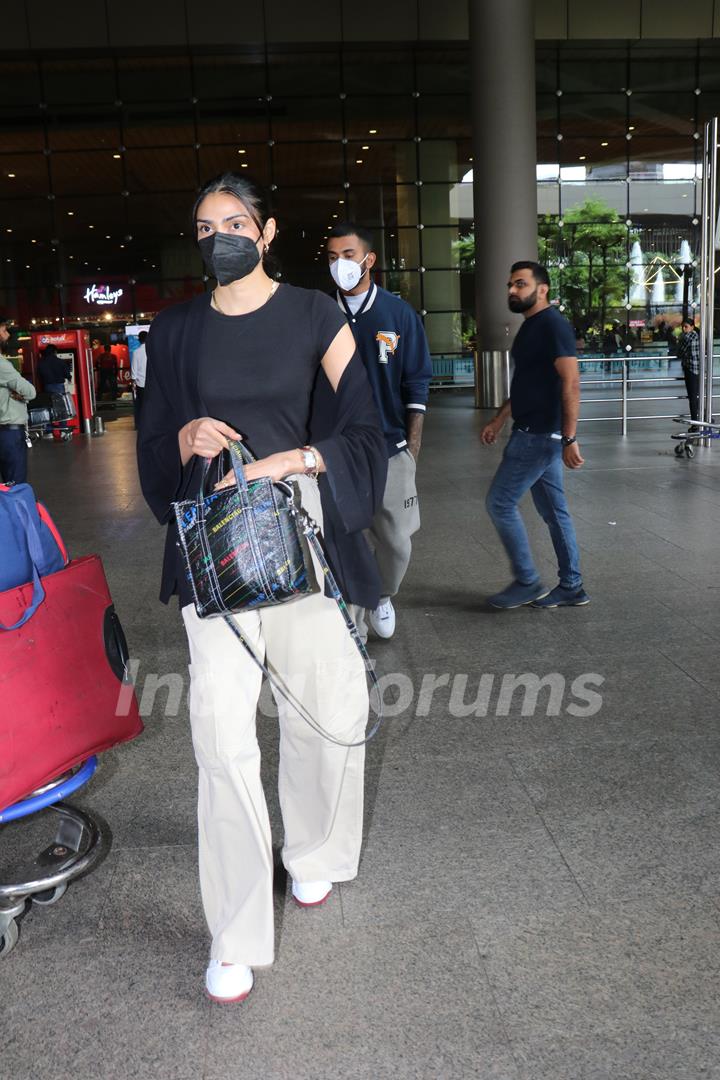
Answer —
(102, 295)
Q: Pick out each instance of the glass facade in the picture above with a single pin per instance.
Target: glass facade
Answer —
(100, 159)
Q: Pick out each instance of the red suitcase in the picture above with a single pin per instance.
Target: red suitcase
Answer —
(64, 693)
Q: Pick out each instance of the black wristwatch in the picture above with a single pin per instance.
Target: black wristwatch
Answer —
(568, 440)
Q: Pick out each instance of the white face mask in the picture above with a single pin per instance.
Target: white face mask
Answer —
(346, 273)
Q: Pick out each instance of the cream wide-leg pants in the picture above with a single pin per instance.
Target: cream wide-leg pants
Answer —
(307, 647)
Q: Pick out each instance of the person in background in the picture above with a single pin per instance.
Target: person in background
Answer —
(15, 392)
(138, 364)
(391, 340)
(544, 404)
(688, 353)
(53, 371)
(107, 367)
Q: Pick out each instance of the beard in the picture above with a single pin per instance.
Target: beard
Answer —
(518, 305)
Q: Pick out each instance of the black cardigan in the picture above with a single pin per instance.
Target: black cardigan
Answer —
(344, 426)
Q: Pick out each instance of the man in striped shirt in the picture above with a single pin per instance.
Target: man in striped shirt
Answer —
(689, 356)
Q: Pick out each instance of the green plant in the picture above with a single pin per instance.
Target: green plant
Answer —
(585, 257)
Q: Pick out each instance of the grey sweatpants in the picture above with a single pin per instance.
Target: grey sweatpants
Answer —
(390, 535)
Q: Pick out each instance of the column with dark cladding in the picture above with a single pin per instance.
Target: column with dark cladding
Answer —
(502, 43)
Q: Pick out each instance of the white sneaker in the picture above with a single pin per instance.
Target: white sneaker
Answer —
(311, 893)
(382, 619)
(228, 983)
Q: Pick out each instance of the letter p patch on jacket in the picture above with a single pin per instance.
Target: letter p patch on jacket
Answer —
(387, 344)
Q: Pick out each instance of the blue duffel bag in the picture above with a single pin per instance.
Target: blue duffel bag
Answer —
(30, 544)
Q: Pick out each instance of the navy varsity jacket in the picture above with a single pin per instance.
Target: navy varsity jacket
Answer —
(391, 341)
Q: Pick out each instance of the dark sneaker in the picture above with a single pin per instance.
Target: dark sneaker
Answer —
(517, 595)
(562, 597)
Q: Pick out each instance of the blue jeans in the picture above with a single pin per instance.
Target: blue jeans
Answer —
(13, 455)
(534, 462)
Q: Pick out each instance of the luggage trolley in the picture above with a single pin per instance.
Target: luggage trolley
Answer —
(686, 441)
(77, 845)
(52, 409)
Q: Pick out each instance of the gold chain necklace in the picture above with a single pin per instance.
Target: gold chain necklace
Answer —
(273, 289)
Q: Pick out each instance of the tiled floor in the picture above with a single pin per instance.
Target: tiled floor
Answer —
(539, 896)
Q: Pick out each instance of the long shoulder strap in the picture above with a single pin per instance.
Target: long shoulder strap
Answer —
(310, 529)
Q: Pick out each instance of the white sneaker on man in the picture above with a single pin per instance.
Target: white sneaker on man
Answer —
(311, 893)
(227, 983)
(382, 619)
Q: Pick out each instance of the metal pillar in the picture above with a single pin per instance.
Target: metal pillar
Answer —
(708, 268)
(502, 43)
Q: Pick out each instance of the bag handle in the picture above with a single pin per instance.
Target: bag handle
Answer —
(36, 555)
(239, 456)
(310, 530)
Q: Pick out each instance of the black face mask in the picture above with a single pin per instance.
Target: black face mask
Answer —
(227, 257)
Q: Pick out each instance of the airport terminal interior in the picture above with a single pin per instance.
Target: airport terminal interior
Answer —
(539, 889)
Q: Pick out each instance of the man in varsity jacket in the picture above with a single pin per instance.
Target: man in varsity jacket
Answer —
(391, 341)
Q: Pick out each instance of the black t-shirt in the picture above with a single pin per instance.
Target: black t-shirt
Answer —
(535, 397)
(257, 373)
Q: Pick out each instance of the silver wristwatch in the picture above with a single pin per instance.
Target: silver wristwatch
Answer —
(310, 461)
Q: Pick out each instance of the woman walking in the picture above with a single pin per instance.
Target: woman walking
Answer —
(275, 365)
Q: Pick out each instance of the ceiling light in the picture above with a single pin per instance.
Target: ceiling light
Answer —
(33, 241)
(372, 131)
(107, 237)
(91, 226)
(603, 144)
(71, 213)
(8, 230)
(582, 157)
(341, 201)
(11, 175)
(117, 156)
(358, 161)
(631, 128)
(243, 165)
(242, 151)
(364, 147)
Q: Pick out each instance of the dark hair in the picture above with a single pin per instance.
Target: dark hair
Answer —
(250, 195)
(4, 320)
(688, 321)
(539, 272)
(142, 335)
(349, 228)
